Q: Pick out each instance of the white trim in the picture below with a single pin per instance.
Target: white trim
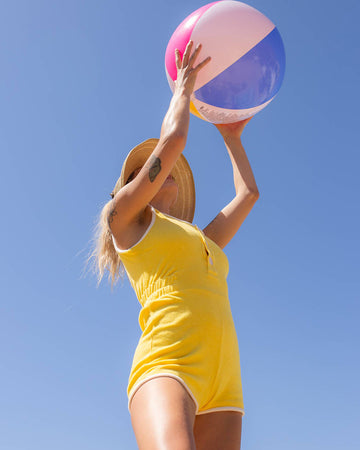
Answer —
(223, 408)
(119, 250)
(170, 375)
(201, 231)
(137, 386)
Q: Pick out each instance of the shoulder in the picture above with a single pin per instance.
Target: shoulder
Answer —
(129, 235)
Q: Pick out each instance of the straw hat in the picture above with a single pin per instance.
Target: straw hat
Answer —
(184, 207)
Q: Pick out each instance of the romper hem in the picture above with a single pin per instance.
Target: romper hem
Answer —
(138, 385)
(222, 408)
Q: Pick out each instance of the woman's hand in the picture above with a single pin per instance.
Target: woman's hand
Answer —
(186, 73)
(232, 129)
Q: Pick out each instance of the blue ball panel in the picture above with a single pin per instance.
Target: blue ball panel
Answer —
(252, 80)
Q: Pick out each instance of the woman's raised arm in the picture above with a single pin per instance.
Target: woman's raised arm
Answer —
(132, 199)
(223, 228)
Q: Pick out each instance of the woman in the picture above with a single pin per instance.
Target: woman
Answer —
(185, 385)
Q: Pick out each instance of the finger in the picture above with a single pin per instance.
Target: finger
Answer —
(185, 58)
(193, 57)
(177, 58)
(202, 64)
(187, 52)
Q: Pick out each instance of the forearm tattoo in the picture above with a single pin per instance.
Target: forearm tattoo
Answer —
(155, 167)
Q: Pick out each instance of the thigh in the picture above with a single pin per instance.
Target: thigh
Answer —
(162, 415)
(221, 429)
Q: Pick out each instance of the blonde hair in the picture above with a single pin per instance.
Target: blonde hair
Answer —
(104, 255)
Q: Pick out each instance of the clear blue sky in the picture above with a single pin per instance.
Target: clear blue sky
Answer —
(81, 82)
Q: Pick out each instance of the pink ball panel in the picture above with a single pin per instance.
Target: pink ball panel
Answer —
(181, 37)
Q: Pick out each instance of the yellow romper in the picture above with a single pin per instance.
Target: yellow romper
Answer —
(179, 277)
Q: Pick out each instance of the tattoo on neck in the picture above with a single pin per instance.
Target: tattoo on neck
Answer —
(155, 167)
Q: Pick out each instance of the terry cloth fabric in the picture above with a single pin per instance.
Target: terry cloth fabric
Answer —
(179, 277)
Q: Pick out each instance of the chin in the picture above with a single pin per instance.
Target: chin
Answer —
(169, 186)
(167, 193)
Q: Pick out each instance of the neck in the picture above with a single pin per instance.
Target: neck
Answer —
(161, 205)
(166, 197)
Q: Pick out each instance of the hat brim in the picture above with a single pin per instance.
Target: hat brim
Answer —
(184, 207)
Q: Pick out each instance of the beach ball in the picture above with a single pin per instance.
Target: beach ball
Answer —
(247, 60)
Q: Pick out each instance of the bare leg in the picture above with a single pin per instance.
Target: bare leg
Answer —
(163, 415)
(218, 430)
